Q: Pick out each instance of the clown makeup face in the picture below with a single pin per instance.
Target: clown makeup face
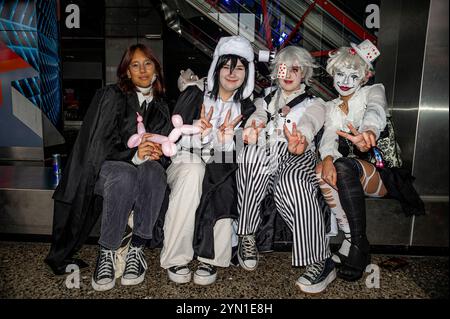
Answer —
(347, 81)
(230, 80)
(292, 81)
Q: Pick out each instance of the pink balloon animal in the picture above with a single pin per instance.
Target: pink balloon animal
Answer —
(167, 142)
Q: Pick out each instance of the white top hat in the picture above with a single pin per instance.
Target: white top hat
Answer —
(367, 51)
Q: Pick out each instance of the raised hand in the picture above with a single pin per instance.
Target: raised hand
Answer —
(250, 134)
(296, 141)
(225, 132)
(329, 173)
(363, 141)
(204, 122)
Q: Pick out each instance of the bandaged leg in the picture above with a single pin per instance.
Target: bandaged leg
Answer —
(337, 212)
(371, 180)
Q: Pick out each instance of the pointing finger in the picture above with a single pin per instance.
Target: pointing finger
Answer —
(366, 139)
(202, 111)
(227, 118)
(236, 121)
(286, 131)
(372, 140)
(345, 135)
(210, 114)
(294, 128)
(352, 129)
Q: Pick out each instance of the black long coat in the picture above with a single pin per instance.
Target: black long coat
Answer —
(108, 123)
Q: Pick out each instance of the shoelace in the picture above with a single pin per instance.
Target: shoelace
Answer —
(314, 270)
(175, 269)
(209, 268)
(136, 255)
(249, 247)
(107, 260)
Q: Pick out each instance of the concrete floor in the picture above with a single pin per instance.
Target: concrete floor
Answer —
(24, 275)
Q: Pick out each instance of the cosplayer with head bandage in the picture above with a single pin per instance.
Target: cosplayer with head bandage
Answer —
(280, 163)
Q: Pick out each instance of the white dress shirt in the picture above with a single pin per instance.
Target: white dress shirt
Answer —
(211, 141)
(366, 111)
(309, 115)
(141, 98)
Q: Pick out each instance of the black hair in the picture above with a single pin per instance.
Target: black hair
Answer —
(233, 62)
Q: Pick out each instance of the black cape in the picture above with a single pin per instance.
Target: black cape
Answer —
(219, 192)
(108, 123)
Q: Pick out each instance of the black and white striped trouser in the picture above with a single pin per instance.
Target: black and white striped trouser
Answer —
(292, 180)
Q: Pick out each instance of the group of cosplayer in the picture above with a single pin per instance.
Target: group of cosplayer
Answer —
(204, 201)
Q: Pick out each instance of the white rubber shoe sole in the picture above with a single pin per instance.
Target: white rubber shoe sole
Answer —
(132, 281)
(179, 278)
(319, 287)
(204, 280)
(103, 287)
(243, 265)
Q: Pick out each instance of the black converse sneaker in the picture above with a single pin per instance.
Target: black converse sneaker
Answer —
(135, 266)
(247, 252)
(317, 276)
(104, 277)
(180, 274)
(205, 274)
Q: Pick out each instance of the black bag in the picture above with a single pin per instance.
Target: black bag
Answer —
(386, 143)
(388, 146)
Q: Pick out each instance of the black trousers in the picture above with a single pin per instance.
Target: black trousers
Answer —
(125, 187)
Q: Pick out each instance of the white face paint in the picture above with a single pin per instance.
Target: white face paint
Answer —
(347, 81)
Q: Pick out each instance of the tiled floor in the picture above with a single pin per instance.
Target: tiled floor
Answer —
(24, 275)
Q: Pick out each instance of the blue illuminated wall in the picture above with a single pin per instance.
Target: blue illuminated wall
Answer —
(49, 65)
(29, 28)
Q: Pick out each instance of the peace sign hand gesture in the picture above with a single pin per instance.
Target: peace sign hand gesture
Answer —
(204, 122)
(297, 143)
(226, 130)
(363, 141)
(250, 134)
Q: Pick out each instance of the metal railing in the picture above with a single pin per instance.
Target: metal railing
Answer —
(311, 25)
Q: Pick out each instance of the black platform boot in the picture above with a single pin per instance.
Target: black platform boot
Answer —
(353, 267)
(351, 195)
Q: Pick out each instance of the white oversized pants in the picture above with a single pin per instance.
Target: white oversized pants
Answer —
(185, 179)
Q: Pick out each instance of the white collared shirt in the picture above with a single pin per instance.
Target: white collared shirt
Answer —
(309, 116)
(220, 111)
(141, 98)
(366, 111)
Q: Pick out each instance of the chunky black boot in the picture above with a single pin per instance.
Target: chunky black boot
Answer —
(353, 267)
(351, 195)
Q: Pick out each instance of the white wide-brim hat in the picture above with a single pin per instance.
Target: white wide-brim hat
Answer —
(239, 46)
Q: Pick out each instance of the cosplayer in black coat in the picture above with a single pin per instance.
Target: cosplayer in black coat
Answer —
(109, 122)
